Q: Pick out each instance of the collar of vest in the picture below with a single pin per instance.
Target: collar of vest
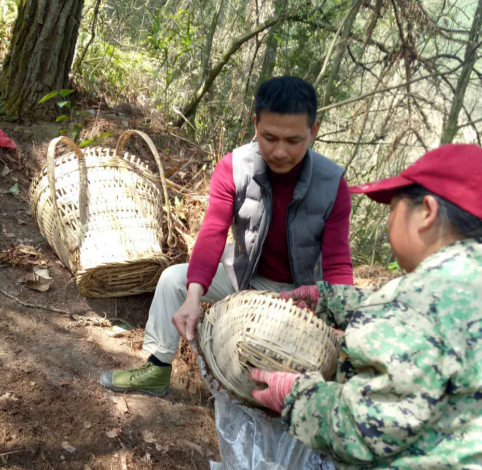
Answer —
(260, 174)
(304, 180)
(260, 171)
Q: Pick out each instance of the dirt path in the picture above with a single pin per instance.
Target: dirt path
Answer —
(53, 413)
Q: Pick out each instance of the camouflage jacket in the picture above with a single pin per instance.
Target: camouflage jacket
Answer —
(409, 383)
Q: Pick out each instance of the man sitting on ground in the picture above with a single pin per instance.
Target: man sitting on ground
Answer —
(289, 209)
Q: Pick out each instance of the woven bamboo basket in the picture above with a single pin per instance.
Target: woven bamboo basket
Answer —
(258, 329)
(103, 212)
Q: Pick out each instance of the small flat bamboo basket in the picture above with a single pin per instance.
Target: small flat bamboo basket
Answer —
(255, 329)
(103, 212)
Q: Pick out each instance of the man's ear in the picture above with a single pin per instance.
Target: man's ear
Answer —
(429, 212)
(314, 131)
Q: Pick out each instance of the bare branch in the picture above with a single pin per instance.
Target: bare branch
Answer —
(394, 87)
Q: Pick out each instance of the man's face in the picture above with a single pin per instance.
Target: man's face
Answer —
(283, 139)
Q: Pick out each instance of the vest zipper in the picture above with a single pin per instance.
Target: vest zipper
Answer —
(270, 213)
(289, 243)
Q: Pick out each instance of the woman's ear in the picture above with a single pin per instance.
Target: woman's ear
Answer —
(428, 213)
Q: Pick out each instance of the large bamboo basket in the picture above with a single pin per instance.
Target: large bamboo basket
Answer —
(257, 329)
(103, 212)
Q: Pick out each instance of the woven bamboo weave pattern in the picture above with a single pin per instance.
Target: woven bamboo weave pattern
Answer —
(257, 329)
(102, 213)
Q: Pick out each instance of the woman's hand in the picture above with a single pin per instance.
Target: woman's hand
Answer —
(279, 386)
(303, 297)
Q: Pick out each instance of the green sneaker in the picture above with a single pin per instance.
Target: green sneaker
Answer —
(149, 379)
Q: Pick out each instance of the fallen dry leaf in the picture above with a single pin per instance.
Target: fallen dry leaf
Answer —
(8, 396)
(209, 453)
(122, 407)
(162, 448)
(37, 285)
(22, 255)
(113, 433)
(21, 222)
(148, 437)
(42, 272)
(192, 445)
(123, 460)
(5, 171)
(68, 447)
(28, 250)
(7, 233)
(66, 382)
(87, 425)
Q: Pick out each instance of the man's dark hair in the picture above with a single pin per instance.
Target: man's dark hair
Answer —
(462, 222)
(287, 95)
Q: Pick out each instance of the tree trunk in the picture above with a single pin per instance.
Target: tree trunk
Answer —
(470, 58)
(341, 49)
(40, 56)
(269, 60)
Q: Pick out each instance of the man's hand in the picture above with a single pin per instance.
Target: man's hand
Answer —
(279, 385)
(303, 297)
(187, 316)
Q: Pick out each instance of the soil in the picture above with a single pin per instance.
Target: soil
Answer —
(53, 413)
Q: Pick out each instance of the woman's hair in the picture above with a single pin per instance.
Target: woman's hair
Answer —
(462, 222)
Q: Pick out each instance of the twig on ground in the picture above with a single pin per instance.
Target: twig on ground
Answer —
(176, 187)
(13, 452)
(189, 142)
(43, 307)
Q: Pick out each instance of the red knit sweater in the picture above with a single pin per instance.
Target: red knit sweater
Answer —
(274, 261)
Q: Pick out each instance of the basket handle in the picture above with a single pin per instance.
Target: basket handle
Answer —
(118, 150)
(82, 182)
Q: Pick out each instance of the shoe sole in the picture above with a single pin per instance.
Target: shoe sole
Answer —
(153, 393)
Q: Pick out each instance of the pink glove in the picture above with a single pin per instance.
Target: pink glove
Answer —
(303, 297)
(279, 385)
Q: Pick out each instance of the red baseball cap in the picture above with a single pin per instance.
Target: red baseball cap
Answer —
(453, 171)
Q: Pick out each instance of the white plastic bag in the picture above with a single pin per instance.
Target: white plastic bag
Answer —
(250, 440)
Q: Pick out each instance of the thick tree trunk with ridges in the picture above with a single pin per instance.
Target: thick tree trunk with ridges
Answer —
(40, 56)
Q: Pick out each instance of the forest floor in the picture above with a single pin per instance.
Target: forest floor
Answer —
(53, 413)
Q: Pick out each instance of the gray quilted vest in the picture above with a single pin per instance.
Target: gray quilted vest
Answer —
(313, 198)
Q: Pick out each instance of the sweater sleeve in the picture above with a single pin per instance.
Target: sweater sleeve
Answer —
(335, 247)
(211, 241)
(397, 390)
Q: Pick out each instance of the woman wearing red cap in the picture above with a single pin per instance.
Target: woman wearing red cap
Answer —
(409, 384)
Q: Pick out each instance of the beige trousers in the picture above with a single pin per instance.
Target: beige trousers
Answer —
(161, 337)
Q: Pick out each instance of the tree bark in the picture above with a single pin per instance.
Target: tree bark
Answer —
(269, 59)
(470, 58)
(40, 56)
(341, 49)
(208, 45)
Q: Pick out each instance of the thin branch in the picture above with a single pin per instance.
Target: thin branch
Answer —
(328, 27)
(394, 87)
(42, 307)
(13, 452)
(189, 142)
(331, 48)
(374, 141)
(92, 37)
(470, 123)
